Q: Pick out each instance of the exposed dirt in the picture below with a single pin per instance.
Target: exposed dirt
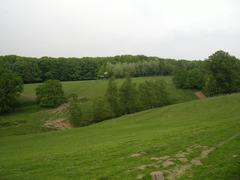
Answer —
(154, 158)
(58, 124)
(167, 163)
(140, 176)
(137, 154)
(60, 109)
(179, 171)
(180, 154)
(200, 95)
(183, 160)
(142, 167)
(171, 169)
(157, 175)
(196, 162)
(164, 157)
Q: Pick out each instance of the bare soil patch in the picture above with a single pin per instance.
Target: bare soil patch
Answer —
(137, 154)
(200, 95)
(60, 109)
(167, 163)
(196, 162)
(172, 169)
(58, 124)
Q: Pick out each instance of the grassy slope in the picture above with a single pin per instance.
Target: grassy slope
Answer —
(103, 150)
(29, 119)
(95, 88)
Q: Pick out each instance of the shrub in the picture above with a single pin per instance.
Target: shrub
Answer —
(180, 77)
(101, 110)
(128, 97)
(153, 94)
(195, 79)
(10, 89)
(50, 94)
(76, 114)
(112, 97)
(224, 72)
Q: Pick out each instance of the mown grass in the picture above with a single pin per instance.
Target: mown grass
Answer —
(30, 118)
(102, 150)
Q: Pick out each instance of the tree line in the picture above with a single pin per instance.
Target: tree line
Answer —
(33, 70)
(219, 74)
(118, 101)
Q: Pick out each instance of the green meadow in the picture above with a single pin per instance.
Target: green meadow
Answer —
(190, 139)
(30, 118)
(95, 88)
(134, 145)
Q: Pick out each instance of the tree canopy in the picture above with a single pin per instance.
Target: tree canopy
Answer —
(50, 94)
(10, 88)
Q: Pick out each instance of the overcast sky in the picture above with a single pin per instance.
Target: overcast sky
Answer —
(190, 29)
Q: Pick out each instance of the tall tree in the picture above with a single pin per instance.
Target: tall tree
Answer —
(112, 96)
(153, 94)
(224, 71)
(10, 89)
(76, 113)
(50, 94)
(101, 109)
(128, 97)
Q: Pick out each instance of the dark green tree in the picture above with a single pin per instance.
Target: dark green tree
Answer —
(128, 97)
(210, 88)
(10, 89)
(101, 109)
(195, 79)
(28, 69)
(180, 78)
(112, 96)
(75, 112)
(153, 94)
(224, 71)
(50, 94)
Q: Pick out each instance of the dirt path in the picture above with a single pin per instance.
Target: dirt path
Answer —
(179, 171)
(176, 165)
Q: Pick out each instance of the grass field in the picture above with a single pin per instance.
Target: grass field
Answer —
(30, 118)
(95, 88)
(192, 140)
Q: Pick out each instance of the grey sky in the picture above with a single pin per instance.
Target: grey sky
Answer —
(191, 29)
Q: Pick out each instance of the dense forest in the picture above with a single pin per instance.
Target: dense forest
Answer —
(70, 69)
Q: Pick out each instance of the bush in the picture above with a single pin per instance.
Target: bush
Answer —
(180, 78)
(101, 110)
(76, 114)
(50, 94)
(189, 79)
(10, 89)
(128, 97)
(153, 94)
(195, 79)
(112, 97)
(210, 88)
(224, 74)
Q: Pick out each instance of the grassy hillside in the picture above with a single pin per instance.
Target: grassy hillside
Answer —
(94, 88)
(30, 118)
(193, 140)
